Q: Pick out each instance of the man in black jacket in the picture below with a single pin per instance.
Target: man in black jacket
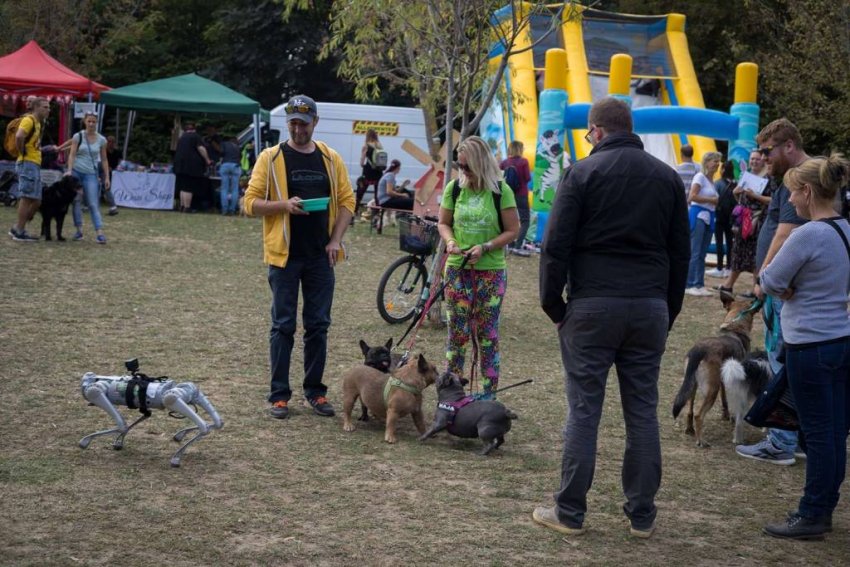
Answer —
(618, 242)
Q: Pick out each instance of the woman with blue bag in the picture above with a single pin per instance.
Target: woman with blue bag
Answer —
(811, 273)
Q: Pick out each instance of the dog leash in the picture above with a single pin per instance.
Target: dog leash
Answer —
(523, 383)
(419, 318)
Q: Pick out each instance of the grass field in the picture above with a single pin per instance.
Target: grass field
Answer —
(188, 295)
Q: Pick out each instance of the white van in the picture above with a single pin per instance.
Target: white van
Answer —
(343, 127)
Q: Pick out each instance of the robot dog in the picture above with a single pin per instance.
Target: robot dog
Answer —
(139, 391)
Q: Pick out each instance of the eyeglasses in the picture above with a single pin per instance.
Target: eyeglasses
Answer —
(765, 151)
(302, 108)
(463, 167)
(589, 136)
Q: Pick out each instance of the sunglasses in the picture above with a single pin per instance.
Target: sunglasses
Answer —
(766, 150)
(302, 108)
(463, 167)
(588, 137)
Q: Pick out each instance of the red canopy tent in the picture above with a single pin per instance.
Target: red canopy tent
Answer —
(30, 71)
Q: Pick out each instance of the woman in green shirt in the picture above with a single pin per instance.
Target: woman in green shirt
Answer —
(472, 225)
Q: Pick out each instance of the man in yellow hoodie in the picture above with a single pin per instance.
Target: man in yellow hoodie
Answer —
(301, 248)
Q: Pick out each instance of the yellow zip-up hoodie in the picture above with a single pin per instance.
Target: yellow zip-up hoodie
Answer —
(268, 182)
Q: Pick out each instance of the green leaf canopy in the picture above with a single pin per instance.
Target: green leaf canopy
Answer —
(184, 93)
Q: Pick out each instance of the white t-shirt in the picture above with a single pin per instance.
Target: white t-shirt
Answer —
(706, 189)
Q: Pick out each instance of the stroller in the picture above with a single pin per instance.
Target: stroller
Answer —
(8, 188)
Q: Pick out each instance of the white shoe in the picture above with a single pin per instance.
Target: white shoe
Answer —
(727, 273)
(703, 292)
(691, 291)
(715, 273)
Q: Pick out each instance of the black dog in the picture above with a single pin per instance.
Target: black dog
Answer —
(379, 358)
(55, 201)
(463, 416)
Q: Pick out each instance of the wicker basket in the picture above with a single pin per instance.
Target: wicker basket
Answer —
(416, 236)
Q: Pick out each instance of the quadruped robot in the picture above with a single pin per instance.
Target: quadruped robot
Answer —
(139, 391)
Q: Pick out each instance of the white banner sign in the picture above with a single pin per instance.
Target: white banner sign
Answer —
(80, 108)
(143, 190)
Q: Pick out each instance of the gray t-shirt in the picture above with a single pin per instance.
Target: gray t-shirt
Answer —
(779, 211)
(814, 263)
(687, 170)
(88, 153)
(382, 187)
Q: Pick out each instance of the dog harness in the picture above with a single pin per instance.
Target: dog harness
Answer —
(394, 382)
(452, 408)
(137, 387)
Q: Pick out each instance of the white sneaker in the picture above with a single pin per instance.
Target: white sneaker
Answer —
(703, 292)
(727, 273)
(715, 273)
(691, 291)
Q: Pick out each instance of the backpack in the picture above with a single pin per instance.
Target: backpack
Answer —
(9, 143)
(726, 201)
(497, 202)
(378, 159)
(512, 178)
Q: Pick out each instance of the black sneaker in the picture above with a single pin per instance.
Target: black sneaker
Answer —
(797, 527)
(21, 236)
(279, 409)
(321, 406)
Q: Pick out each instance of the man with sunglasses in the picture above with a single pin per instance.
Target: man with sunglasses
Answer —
(618, 242)
(781, 146)
(301, 248)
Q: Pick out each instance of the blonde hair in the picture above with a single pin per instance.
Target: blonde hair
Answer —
(515, 148)
(711, 156)
(825, 175)
(482, 163)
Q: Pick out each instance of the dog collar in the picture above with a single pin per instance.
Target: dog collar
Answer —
(754, 306)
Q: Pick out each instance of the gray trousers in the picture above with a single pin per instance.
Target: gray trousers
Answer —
(597, 333)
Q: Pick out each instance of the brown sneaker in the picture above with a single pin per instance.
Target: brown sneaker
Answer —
(279, 409)
(549, 518)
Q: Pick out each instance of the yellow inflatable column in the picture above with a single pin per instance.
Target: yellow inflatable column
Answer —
(578, 81)
(685, 84)
(620, 77)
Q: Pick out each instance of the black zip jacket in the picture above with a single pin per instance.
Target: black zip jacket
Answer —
(618, 228)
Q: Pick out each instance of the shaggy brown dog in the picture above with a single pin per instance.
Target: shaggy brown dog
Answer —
(705, 359)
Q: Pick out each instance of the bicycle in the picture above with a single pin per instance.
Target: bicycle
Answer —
(405, 285)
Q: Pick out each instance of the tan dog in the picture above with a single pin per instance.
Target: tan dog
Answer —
(706, 358)
(388, 396)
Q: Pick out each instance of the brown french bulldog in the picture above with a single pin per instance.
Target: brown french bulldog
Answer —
(388, 396)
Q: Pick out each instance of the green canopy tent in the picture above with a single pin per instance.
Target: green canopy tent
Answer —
(184, 93)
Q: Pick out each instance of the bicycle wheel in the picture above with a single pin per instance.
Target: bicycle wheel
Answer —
(400, 288)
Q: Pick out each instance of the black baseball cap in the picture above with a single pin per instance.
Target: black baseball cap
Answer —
(301, 107)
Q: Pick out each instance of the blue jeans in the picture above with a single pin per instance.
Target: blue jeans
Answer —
(700, 239)
(91, 193)
(230, 173)
(316, 278)
(818, 377)
(781, 439)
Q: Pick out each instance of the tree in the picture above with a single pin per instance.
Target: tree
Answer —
(437, 50)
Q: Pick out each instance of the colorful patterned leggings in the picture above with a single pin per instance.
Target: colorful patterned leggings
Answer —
(474, 299)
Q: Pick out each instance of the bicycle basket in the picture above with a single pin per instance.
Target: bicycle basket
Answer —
(415, 236)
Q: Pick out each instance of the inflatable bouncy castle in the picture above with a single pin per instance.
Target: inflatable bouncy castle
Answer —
(547, 91)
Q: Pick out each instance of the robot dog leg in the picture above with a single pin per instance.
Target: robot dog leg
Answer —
(177, 400)
(139, 391)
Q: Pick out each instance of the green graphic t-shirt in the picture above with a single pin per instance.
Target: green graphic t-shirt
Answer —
(475, 222)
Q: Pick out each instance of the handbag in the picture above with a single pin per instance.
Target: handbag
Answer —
(775, 406)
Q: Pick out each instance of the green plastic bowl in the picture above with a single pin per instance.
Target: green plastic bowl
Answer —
(313, 205)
